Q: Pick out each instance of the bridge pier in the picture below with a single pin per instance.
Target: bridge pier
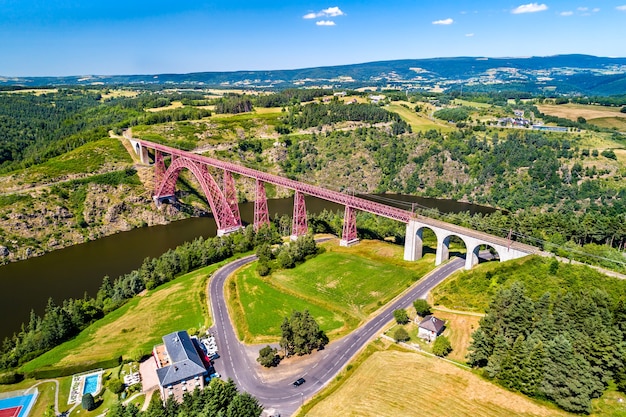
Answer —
(141, 151)
(349, 236)
(299, 225)
(261, 214)
(230, 193)
(413, 245)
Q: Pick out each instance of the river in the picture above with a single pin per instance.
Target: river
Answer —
(76, 270)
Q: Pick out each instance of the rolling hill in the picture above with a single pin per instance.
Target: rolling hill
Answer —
(559, 74)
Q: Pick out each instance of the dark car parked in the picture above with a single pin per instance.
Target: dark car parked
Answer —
(298, 382)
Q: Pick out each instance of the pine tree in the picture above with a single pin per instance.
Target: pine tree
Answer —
(532, 376)
(479, 350)
(244, 405)
(566, 377)
(499, 355)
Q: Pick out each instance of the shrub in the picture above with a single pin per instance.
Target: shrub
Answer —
(268, 356)
(115, 386)
(401, 335)
(7, 378)
(442, 346)
(263, 269)
(88, 402)
(608, 153)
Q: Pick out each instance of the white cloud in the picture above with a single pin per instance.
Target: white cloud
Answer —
(596, 10)
(329, 12)
(567, 13)
(582, 9)
(530, 8)
(333, 12)
(469, 35)
(325, 23)
(621, 8)
(447, 21)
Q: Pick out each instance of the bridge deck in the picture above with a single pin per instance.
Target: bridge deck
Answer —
(337, 197)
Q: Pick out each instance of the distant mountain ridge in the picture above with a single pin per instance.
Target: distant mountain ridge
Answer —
(559, 74)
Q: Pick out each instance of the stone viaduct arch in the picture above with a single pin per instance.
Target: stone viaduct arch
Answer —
(413, 247)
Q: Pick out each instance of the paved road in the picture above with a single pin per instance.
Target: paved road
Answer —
(280, 394)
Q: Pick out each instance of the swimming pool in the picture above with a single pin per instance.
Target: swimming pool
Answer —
(91, 384)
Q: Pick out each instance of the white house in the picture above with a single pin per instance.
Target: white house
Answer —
(430, 327)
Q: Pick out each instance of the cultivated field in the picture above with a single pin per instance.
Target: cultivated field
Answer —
(459, 329)
(396, 383)
(132, 330)
(616, 122)
(417, 121)
(573, 111)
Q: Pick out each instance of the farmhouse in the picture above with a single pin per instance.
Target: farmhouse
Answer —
(179, 366)
(430, 327)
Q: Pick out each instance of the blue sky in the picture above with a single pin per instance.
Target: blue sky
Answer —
(79, 37)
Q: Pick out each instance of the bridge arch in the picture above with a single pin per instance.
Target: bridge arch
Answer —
(473, 254)
(222, 212)
(413, 247)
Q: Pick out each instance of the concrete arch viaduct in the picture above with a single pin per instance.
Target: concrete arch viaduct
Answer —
(222, 197)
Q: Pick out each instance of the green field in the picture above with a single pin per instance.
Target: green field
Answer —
(619, 123)
(473, 290)
(340, 287)
(132, 330)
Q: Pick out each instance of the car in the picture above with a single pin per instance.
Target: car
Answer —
(215, 356)
(299, 382)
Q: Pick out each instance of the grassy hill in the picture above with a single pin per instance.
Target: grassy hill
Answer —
(132, 330)
(472, 290)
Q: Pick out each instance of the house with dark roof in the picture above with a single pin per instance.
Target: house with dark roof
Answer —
(179, 366)
(430, 327)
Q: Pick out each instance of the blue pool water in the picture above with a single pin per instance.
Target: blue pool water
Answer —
(25, 401)
(91, 384)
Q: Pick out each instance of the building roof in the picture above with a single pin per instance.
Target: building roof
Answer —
(184, 359)
(432, 324)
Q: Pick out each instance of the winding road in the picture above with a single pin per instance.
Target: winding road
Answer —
(281, 394)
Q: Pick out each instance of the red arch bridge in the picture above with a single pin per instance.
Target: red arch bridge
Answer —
(222, 197)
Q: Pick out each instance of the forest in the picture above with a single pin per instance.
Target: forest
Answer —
(565, 347)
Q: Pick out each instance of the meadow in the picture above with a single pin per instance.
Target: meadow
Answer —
(132, 330)
(399, 383)
(341, 288)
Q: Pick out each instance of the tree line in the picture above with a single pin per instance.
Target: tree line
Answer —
(565, 348)
(219, 399)
(318, 114)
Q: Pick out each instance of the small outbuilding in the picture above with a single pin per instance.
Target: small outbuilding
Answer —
(430, 327)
